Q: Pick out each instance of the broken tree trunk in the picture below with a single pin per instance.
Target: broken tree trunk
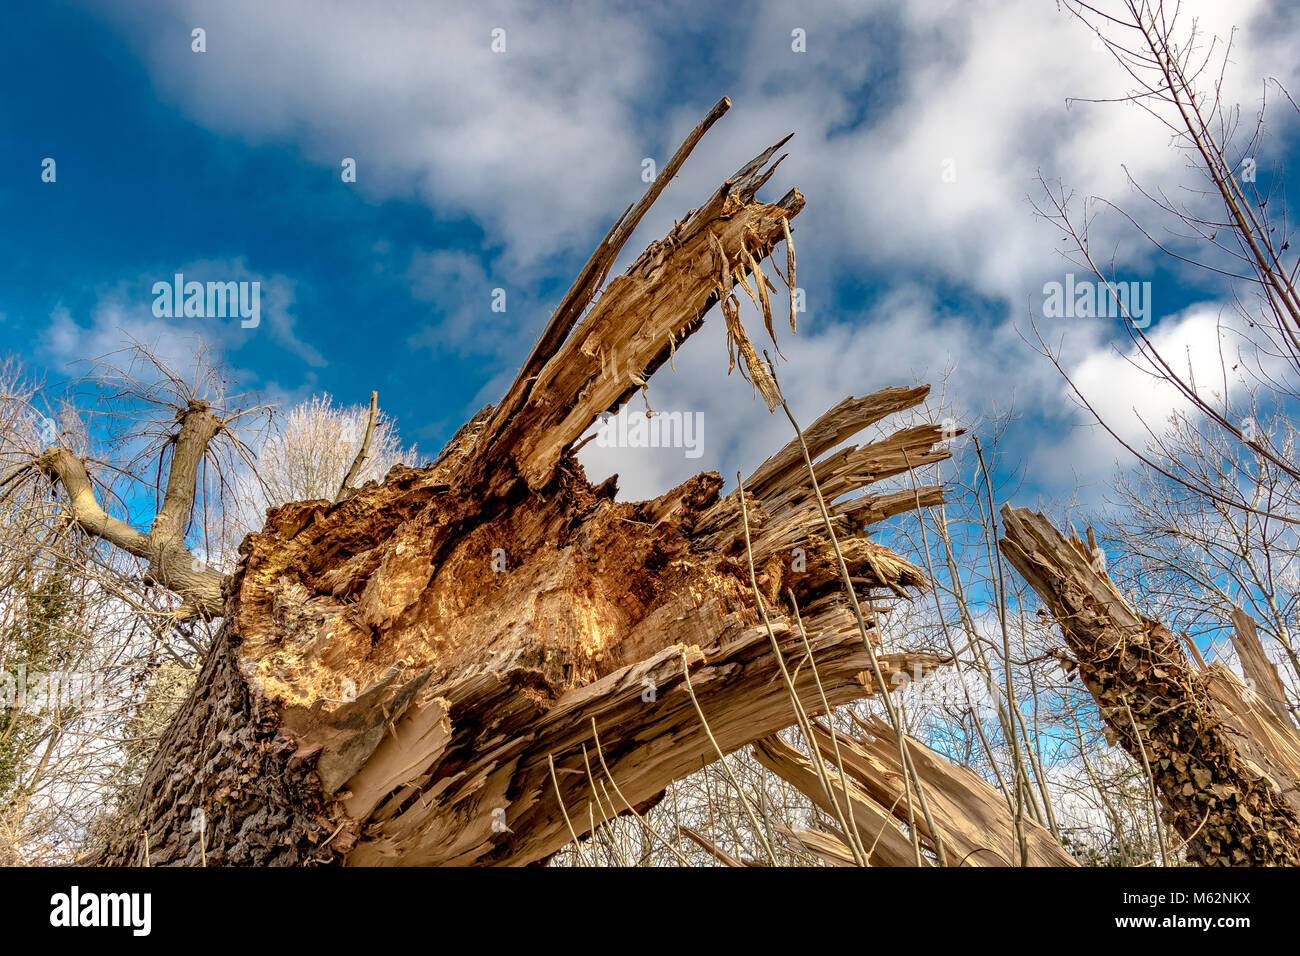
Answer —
(472, 662)
(1260, 672)
(1226, 767)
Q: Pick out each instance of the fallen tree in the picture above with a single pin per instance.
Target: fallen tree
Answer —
(1224, 759)
(477, 661)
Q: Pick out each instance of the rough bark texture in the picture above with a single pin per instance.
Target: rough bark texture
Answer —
(397, 671)
(1226, 767)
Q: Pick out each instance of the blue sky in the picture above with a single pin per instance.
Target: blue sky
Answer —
(479, 170)
(142, 191)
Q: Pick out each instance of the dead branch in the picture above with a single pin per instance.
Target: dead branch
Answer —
(362, 453)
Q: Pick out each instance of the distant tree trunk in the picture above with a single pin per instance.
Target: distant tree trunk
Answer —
(472, 662)
(1226, 764)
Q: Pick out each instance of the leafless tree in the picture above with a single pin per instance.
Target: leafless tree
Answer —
(1227, 231)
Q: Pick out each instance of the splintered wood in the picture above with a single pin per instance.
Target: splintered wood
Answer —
(403, 668)
(975, 822)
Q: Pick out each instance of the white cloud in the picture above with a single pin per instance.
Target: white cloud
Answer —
(123, 314)
(536, 143)
(458, 285)
(904, 340)
(1119, 384)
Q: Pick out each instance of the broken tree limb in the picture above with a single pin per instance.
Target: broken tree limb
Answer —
(362, 453)
(1260, 672)
(883, 840)
(1227, 771)
(592, 276)
(170, 563)
(974, 818)
(977, 825)
(635, 324)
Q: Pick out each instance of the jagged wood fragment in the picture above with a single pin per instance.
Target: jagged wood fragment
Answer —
(593, 275)
(976, 824)
(885, 842)
(1258, 669)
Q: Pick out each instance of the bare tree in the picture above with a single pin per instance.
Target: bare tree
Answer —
(79, 634)
(154, 418)
(1225, 231)
(1196, 559)
(1207, 526)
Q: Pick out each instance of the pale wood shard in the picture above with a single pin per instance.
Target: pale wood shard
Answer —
(1269, 745)
(834, 427)
(870, 509)
(1194, 651)
(885, 842)
(830, 848)
(644, 743)
(1227, 769)
(636, 323)
(592, 276)
(975, 821)
(1258, 669)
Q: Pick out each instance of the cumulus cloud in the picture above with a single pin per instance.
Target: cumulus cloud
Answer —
(1201, 344)
(534, 142)
(124, 314)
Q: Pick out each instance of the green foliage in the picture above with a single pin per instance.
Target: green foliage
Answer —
(42, 637)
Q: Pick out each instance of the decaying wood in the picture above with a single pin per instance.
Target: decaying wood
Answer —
(398, 672)
(1227, 769)
(637, 322)
(975, 821)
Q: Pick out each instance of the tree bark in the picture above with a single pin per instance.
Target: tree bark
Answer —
(398, 672)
